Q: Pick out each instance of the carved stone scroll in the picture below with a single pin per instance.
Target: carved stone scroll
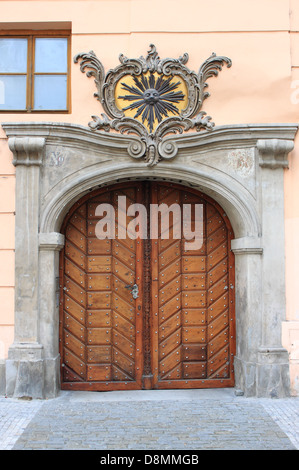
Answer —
(151, 98)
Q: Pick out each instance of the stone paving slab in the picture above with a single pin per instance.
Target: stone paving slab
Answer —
(174, 420)
(285, 412)
(14, 417)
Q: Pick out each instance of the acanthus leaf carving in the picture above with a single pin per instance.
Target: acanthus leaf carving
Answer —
(95, 69)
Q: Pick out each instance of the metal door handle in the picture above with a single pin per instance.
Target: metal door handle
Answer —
(134, 290)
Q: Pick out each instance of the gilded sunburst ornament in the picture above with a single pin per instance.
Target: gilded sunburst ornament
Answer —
(161, 97)
(153, 98)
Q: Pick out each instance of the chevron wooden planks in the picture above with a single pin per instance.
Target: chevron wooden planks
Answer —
(179, 331)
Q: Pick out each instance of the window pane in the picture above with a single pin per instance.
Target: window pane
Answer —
(50, 92)
(13, 55)
(51, 55)
(13, 92)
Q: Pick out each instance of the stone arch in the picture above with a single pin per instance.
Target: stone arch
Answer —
(237, 202)
(45, 191)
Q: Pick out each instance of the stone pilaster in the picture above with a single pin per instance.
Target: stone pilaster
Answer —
(49, 291)
(248, 258)
(273, 363)
(24, 367)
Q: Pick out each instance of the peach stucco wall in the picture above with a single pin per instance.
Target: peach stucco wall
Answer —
(260, 36)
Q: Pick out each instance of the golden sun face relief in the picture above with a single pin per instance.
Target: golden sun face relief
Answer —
(153, 97)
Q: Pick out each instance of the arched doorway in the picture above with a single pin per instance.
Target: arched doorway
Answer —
(211, 163)
(152, 311)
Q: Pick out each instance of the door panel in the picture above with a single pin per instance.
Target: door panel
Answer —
(179, 332)
(100, 350)
(194, 330)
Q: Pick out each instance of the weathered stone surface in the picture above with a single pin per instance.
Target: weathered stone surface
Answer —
(241, 167)
(2, 378)
(30, 379)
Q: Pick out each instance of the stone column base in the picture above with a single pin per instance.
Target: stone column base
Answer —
(266, 378)
(24, 379)
(273, 379)
(2, 378)
(245, 376)
(52, 377)
(30, 375)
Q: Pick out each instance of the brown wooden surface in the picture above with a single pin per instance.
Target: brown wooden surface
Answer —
(179, 332)
(195, 325)
(100, 342)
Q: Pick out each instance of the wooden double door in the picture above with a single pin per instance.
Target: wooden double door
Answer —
(138, 312)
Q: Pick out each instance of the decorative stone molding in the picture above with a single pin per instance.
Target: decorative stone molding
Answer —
(247, 245)
(51, 241)
(77, 137)
(95, 159)
(27, 150)
(273, 153)
(239, 137)
(164, 97)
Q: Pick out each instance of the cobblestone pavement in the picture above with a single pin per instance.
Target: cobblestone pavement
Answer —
(157, 420)
(15, 415)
